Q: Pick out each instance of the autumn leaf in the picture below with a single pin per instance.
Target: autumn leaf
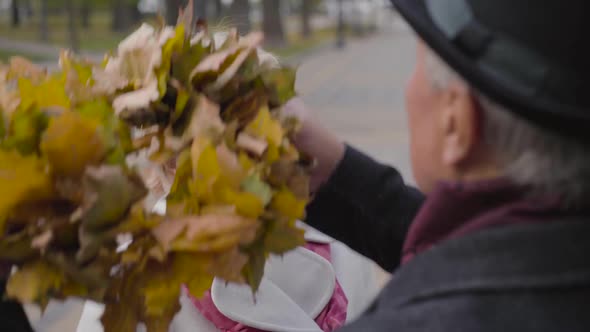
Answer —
(71, 143)
(79, 81)
(23, 178)
(185, 16)
(109, 193)
(286, 203)
(280, 84)
(34, 282)
(231, 169)
(185, 62)
(17, 248)
(20, 67)
(179, 202)
(265, 127)
(115, 133)
(24, 132)
(50, 92)
(282, 237)
(204, 120)
(244, 109)
(206, 168)
(172, 42)
(229, 265)
(254, 269)
(163, 286)
(247, 204)
(2, 126)
(123, 307)
(254, 185)
(204, 233)
(9, 95)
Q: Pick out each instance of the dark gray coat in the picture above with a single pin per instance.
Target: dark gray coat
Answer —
(533, 277)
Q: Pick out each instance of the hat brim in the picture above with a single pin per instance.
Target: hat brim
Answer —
(565, 119)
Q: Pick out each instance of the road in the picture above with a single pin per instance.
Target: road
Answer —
(359, 92)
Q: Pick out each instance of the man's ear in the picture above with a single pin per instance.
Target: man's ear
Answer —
(459, 121)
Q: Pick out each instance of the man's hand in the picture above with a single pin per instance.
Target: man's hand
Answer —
(316, 141)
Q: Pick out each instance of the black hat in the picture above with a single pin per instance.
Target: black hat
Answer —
(532, 56)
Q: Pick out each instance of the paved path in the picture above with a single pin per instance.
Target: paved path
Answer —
(359, 92)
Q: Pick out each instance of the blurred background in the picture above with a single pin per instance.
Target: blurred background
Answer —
(38, 28)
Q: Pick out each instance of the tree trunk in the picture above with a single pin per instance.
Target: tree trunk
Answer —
(43, 18)
(172, 7)
(272, 24)
(239, 13)
(218, 8)
(72, 29)
(125, 14)
(118, 17)
(15, 13)
(306, 7)
(85, 13)
(200, 9)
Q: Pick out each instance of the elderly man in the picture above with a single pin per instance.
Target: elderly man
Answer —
(497, 238)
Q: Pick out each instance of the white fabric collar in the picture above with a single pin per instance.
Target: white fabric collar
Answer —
(294, 290)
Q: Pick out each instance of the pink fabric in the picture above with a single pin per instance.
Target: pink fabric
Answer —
(332, 317)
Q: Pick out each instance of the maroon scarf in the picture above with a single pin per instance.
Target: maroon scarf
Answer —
(456, 209)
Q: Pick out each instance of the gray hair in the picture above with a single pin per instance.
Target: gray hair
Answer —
(543, 161)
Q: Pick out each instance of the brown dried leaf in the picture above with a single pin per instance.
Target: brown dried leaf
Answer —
(229, 265)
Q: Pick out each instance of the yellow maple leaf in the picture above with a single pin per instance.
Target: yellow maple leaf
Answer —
(34, 282)
(23, 178)
(50, 92)
(164, 282)
(266, 127)
(286, 203)
(71, 143)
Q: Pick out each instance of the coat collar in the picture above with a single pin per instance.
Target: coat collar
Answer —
(522, 256)
(456, 209)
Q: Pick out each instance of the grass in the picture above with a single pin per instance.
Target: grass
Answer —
(5, 56)
(100, 38)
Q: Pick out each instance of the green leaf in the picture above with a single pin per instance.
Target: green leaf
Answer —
(280, 85)
(172, 46)
(282, 237)
(51, 92)
(34, 282)
(253, 184)
(116, 134)
(254, 269)
(179, 202)
(25, 129)
(184, 63)
(108, 194)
